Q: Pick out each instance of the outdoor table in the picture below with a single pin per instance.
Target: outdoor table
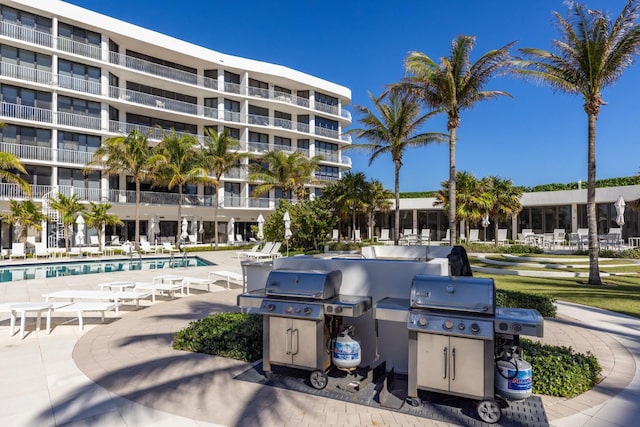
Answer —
(170, 278)
(117, 285)
(23, 308)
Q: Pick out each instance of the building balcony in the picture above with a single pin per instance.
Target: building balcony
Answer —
(29, 35)
(10, 191)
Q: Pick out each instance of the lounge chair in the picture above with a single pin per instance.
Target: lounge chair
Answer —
(447, 237)
(253, 250)
(115, 241)
(41, 250)
(168, 248)
(425, 236)
(356, 236)
(473, 235)
(17, 251)
(502, 235)
(127, 249)
(145, 248)
(384, 235)
(269, 251)
(93, 240)
(335, 235)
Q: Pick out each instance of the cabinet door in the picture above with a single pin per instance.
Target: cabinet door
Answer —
(304, 350)
(280, 346)
(433, 361)
(466, 367)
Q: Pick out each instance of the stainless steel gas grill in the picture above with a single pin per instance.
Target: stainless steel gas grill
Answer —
(456, 333)
(302, 316)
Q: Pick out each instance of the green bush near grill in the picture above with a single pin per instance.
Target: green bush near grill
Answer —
(560, 371)
(233, 335)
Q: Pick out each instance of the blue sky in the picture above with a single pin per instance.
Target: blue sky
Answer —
(536, 137)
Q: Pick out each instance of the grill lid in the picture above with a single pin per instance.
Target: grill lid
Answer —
(315, 284)
(465, 294)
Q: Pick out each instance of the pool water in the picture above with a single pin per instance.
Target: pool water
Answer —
(76, 268)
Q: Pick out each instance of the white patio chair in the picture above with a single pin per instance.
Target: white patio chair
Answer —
(356, 236)
(168, 248)
(41, 250)
(93, 240)
(502, 235)
(145, 248)
(447, 237)
(115, 241)
(473, 235)
(559, 236)
(384, 235)
(425, 236)
(17, 251)
(335, 235)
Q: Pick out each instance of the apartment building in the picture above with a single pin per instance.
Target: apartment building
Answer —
(70, 78)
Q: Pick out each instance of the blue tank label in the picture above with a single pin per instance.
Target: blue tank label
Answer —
(521, 382)
(346, 351)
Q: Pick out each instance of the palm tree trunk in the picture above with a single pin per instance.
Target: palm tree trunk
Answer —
(452, 187)
(495, 230)
(137, 228)
(179, 216)
(396, 232)
(215, 215)
(592, 221)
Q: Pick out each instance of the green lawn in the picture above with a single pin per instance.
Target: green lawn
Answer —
(620, 294)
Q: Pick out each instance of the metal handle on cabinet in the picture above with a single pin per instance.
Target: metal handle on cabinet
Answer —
(289, 341)
(453, 364)
(294, 340)
(444, 356)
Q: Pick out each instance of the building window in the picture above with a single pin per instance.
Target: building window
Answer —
(322, 122)
(233, 132)
(231, 82)
(326, 99)
(20, 140)
(161, 93)
(282, 119)
(258, 115)
(327, 150)
(281, 142)
(26, 97)
(87, 186)
(231, 194)
(71, 143)
(303, 144)
(78, 106)
(25, 19)
(231, 110)
(37, 175)
(20, 63)
(329, 173)
(258, 88)
(303, 94)
(211, 79)
(258, 141)
(189, 75)
(151, 122)
(79, 34)
(80, 77)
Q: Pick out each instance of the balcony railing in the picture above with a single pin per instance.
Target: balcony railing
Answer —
(74, 156)
(77, 48)
(330, 133)
(236, 173)
(25, 73)
(79, 85)
(24, 112)
(84, 194)
(24, 151)
(258, 147)
(26, 34)
(79, 121)
(13, 191)
(30, 35)
(158, 198)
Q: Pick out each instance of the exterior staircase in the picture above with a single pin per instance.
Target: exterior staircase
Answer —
(56, 226)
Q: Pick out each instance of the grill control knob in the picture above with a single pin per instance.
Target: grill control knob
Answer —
(517, 327)
(447, 324)
(307, 310)
(422, 321)
(298, 309)
(271, 307)
(288, 310)
(461, 326)
(329, 309)
(475, 328)
(338, 310)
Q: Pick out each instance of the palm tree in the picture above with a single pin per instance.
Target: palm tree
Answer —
(290, 172)
(376, 199)
(505, 201)
(392, 130)
(591, 54)
(27, 214)
(131, 155)
(99, 216)
(179, 164)
(473, 199)
(9, 163)
(347, 196)
(454, 85)
(68, 207)
(220, 156)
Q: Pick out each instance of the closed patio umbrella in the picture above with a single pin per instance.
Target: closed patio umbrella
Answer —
(80, 232)
(619, 205)
(260, 227)
(287, 228)
(185, 225)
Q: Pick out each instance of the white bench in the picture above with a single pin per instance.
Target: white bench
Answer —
(21, 309)
(79, 308)
(229, 275)
(156, 288)
(188, 281)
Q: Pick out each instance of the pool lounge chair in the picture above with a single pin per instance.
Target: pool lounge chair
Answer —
(168, 248)
(384, 236)
(17, 251)
(41, 250)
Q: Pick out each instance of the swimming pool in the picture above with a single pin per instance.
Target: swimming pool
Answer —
(75, 268)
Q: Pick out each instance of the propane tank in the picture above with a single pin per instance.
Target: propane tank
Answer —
(346, 350)
(514, 376)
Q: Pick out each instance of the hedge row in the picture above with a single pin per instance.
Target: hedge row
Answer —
(543, 304)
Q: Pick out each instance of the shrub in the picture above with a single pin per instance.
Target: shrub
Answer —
(522, 249)
(234, 335)
(543, 304)
(559, 371)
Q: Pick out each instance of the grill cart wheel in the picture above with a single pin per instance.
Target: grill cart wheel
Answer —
(414, 401)
(489, 411)
(318, 379)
